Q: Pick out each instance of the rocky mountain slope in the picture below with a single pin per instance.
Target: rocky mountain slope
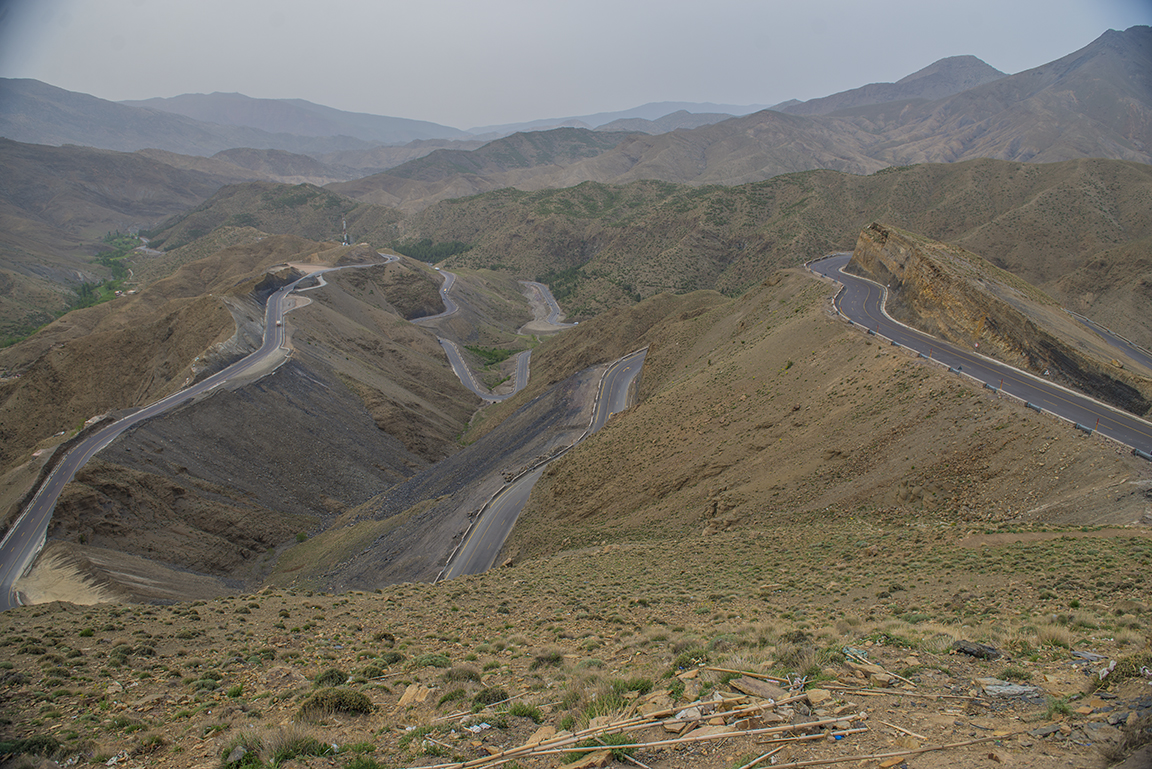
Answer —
(130, 351)
(57, 202)
(506, 162)
(762, 409)
(303, 210)
(217, 489)
(953, 294)
(1094, 102)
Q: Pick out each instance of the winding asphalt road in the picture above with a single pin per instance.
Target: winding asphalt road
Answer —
(491, 529)
(449, 305)
(26, 538)
(456, 357)
(861, 301)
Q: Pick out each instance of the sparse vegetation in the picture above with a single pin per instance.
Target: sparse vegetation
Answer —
(427, 251)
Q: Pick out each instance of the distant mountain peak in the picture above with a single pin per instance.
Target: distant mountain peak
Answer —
(938, 80)
(959, 68)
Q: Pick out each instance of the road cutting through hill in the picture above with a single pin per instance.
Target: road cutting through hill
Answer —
(486, 536)
(27, 535)
(862, 301)
(547, 320)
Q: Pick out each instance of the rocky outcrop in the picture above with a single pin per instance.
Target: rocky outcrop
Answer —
(955, 294)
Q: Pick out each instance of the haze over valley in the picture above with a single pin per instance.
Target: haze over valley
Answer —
(571, 428)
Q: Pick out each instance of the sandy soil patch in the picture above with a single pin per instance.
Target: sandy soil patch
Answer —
(308, 269)
(54, 578)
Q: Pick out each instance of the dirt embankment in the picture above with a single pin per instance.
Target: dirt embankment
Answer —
(212, 487)
(955, 294)
(407, 533)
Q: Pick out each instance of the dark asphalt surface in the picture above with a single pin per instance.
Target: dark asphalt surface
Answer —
(860, 301)
(27, 535)
(456, 357)
(449, 305)
(487, 535)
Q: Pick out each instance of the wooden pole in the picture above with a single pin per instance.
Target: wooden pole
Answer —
(876, 756)
(899, 693)
(761, 676)
(762, 758)
(905, 731)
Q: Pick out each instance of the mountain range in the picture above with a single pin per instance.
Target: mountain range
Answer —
(1095, 102)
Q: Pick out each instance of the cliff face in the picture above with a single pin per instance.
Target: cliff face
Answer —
(954, 294)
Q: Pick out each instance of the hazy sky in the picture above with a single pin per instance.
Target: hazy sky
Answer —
(484, 62)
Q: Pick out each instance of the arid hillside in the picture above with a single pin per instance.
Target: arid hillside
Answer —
(303, 210)
(57, 202)
(1080, 231)
(764, 409)
(512, 161)
(135, 349)
(219, 494)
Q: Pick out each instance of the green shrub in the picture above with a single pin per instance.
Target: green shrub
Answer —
(452, 696)
(336, 700)
(524, 710)
(36, 745)
(548, 656)
(242, 750)
(691, 658)
(331, 677)
(490, 696)
(638, 684)
(302, 745)
(431, 660)
(462, 673)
